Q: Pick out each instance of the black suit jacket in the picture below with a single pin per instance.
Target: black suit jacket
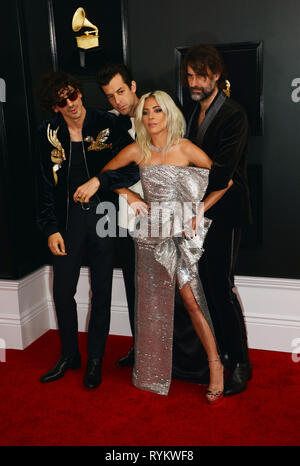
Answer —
(123, 177)
(53, 198)
(226, 143)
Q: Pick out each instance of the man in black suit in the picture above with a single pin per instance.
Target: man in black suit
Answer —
(116, 82)
(74, 145)
(219, 126)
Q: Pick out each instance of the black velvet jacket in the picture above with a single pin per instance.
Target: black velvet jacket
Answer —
(226, 143)
(54, 198)
(125, 176)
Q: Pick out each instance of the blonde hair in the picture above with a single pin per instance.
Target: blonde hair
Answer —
(175, 123)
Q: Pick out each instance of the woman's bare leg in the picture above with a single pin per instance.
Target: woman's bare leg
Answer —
(207, 338)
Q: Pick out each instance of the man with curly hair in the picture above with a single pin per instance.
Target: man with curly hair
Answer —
(74, 146)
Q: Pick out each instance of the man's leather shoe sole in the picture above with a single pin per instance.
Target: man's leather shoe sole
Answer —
(92, 383)
(93, 377)
(60, 368)
(237, 380)
(126, 361)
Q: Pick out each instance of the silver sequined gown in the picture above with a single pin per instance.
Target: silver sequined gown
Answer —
(163, 258)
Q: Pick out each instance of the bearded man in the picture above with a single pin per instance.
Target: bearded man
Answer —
(219, 126)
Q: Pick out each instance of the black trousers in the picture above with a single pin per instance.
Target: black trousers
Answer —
(125, 251)
(80, 236)
(216, 269)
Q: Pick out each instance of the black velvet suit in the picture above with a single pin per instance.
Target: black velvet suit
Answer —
(225, 141)
(54, 199)
(58, 213)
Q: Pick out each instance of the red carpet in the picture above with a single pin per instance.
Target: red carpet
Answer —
(65, 413)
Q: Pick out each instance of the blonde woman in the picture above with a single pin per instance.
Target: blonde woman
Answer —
(174, 173)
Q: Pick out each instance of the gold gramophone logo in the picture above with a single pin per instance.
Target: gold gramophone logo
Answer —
(89, 39)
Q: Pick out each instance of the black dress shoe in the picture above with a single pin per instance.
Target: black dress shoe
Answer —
(93, 377)
(58, 371)
(127, 360)
(237, 379)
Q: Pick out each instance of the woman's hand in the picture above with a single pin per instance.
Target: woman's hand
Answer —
(139, 206)
(84, 192)
(215, 196)
(194, 223)
(57, 245)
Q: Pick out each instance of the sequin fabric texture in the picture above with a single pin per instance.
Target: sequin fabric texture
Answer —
(164, 256)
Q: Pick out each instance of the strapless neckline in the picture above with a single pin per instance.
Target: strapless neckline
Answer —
(173, 166)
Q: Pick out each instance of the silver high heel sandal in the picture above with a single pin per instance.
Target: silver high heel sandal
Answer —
(212, 397)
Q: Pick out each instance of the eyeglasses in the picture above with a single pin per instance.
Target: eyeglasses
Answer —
(63, 102)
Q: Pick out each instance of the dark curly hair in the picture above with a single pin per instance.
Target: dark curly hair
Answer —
(202, 58)
(109, 71)
(51, 84)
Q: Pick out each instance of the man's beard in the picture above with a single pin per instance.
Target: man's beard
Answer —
(205, 93)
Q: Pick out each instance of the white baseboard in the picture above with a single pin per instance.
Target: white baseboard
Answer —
(24, 309)
(271, 308)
